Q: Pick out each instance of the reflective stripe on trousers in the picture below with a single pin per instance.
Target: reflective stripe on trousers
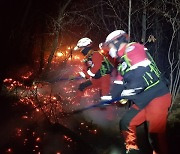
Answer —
(155, 114)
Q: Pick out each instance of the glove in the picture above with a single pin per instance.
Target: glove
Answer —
(82, 74)
(130, 92)
(106, 98)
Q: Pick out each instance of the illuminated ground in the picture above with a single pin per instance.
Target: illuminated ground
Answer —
(31, 120)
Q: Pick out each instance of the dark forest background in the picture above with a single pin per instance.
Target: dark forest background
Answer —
(32, 29)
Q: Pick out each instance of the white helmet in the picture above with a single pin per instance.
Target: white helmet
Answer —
(100, 45)
(114, 35)
(84, 42)
(119, 35)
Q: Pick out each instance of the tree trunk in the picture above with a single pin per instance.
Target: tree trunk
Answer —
(57, 32)
(55, 44)
(129, 20)
(143, 37)
(41, 58)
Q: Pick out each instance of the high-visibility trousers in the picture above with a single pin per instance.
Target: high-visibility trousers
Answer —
(155, 114)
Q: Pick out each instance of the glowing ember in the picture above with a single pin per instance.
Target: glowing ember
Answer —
(24, 117)
(18, 132)
(27, 75)
(95, 131)
(46, 101)
(54, 98)
(76, 57)
(38, 139)
(102, 51)
(59, 54)
(9, 150)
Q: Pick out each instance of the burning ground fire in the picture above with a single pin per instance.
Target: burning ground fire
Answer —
(43, 104)
(45, 100)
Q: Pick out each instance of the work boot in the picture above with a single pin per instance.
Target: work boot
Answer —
(132, 151)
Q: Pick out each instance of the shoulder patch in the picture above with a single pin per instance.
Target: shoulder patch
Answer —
(128, 49)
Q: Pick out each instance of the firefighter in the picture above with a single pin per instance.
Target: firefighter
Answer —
(140, 81)
(97, 69)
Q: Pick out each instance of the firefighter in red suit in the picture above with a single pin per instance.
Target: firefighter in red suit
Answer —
(140, 81)
(97, 69)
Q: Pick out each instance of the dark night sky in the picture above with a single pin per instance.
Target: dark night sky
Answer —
(15, 19)
(20, 18)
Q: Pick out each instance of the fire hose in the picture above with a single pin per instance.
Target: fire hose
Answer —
(100, 104)
(71, 78)
(68, 78)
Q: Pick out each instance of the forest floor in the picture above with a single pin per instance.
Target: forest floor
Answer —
(43, 137)
(40, 130)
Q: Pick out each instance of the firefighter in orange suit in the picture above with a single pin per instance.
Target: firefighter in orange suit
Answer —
(140, 81)
(97, 69)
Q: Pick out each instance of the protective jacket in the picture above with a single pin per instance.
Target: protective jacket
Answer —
(97, 70)
(97, 65)
(139, 79)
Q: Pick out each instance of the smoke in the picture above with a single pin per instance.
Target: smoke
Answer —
(106, 117)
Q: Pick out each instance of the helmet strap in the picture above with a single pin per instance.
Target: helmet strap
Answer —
(117, 44)
(120, 40)
(86, 50)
